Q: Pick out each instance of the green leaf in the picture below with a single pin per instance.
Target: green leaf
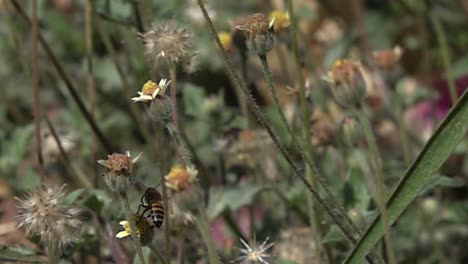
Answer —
(435, 152)
(20, 254)
(146, 256)
(232, 198)
(94, 204)
(193, 100)
(334, 235)
(73, 196)
(442, 181)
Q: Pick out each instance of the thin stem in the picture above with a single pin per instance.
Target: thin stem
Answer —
(445, 54)
(158, 254)
(52, 252)
(90, 76)
(180, 248)
(181, 146)
(82, 179)
(376, 163)
(329, 204)
(35, 84)
(133, 229)
(314, 216)
(405, 143)
(240, 96)
(173, 76)
(206, 235)
(68, 83)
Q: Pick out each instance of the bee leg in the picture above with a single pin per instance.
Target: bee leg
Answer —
(143, 213)
(139, 207)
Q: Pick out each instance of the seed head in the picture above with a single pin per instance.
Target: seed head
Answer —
(44, 214)
(170, 44)
(119, 171)
(347, 82)
(254, 254)
(387, 61)
(259, 33)
(180, 178)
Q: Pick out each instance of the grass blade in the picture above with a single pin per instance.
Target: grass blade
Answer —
(452, 129)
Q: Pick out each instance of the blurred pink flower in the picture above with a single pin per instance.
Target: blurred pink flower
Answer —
(422, 118)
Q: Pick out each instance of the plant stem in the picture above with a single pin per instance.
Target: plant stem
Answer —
(329, 204)
(407, 155)
(206, 235)
(133, 229)
(240, 96)
(35, 85)
(173, 76)
(52, 252)
(376, 164)
(68, 83)
(445, 54)
(314, 216)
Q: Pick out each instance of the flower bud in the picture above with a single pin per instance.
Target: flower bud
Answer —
(387, 61)
(259, 33)
(180, 178)
(161, 110)
(119, 171)
(347, 82)
(350, 130)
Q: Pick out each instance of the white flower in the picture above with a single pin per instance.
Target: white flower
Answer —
(151, 90)
(254, 254)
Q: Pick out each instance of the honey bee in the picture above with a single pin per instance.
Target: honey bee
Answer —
(153, 209)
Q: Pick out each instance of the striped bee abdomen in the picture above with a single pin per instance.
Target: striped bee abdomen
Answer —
(157, 214)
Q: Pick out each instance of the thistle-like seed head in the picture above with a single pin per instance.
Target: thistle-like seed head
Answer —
(118, 173)
(254, 254)
(170, 44)
(43, 213)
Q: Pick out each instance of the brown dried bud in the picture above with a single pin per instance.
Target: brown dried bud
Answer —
(119, 171)
(259, 33)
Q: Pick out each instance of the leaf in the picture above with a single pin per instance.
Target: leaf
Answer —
(146, 256)
(73, 196)
(232, 198)
(193, 100)
(334, 234)
(94, 204)
(20, 254)
(435, 152)
(442, 181)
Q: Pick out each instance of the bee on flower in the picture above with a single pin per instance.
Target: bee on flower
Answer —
(144, 229)
(151, 90)
(180, 178)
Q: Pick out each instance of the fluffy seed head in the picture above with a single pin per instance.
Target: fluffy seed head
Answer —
(118, 173)
(44, 214)
(170, 44)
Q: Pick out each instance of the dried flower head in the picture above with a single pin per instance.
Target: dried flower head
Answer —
(151, 91)
(144, 229)
(259, 33)
(347, 82)
(226, 40)
(180, 178)
(280, 18)
(44, 214)
(254, 254)
(170, 44)
(119, 170)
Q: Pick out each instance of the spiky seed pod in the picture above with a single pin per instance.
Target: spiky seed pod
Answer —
(119, 171)
(254, 254)
(259, 33)
(347, 82)
(43, 213)
(170, 44)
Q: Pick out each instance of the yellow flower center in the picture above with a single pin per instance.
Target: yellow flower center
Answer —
(226, 40)
(149, 87)
(281, 19)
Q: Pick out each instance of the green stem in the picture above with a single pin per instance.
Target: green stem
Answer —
(206, 235)
(173, 76)
(133, 229)
(407, 155)
(376, 164)
(314, 216)
(329, 204)
(445, 54)
(52, 252)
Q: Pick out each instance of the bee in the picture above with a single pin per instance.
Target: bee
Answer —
(153, 208)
